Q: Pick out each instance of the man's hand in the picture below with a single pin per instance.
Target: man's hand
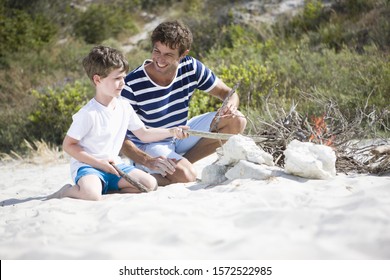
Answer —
(229, 110)
(162, 164)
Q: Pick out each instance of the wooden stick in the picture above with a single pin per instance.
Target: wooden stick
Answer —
(222, 136)
(225, 101)
(126, 176)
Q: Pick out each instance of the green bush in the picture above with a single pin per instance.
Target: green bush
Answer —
(52, 115)
(100, 22)
(354, 7)
(22, 32)
(12, 129)
(346, 77)
(310, 19)
(241, 58)
(255, 82)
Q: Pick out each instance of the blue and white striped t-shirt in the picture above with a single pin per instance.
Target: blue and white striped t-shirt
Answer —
(166, 106)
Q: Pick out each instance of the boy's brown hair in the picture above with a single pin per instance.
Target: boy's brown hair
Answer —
(174, 34)
(103, 60)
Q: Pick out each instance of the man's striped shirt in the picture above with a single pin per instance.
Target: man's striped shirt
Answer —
(166, 106)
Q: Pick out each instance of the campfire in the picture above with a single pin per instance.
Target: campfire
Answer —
(356, 142)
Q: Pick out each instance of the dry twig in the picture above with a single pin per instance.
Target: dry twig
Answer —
(331, 128)
(135, 183)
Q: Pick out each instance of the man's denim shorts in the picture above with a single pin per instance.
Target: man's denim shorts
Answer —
(176, 148)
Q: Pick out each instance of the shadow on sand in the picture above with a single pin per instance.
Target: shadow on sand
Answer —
(14, 201)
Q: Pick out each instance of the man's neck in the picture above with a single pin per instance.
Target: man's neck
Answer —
(162, 79)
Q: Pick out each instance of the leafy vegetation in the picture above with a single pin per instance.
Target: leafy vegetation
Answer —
(100, 22)
(339, 49)
(52, 113)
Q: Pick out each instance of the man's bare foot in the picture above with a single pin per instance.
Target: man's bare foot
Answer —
(60, 193)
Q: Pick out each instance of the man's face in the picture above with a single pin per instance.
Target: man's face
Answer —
(165, 59)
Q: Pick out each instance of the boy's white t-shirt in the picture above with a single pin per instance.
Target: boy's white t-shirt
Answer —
(101, 130)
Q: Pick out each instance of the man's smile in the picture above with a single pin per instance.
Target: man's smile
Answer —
(160, 65)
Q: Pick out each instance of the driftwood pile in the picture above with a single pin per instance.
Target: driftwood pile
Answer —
(356, 140)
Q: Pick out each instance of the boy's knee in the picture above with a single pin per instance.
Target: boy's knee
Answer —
(93, 196)
(150, 184)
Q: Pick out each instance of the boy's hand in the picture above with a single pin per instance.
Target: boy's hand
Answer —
(179, 132)
(106, 166)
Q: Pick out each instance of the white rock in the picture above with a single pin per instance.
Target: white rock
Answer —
(310, 160)
(248, 170)
(239, 147)
(214, 174)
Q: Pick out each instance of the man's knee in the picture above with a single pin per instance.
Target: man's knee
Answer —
(239, 122)
(183, 174)
(233, 125)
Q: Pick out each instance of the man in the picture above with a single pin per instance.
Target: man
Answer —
(160, 91)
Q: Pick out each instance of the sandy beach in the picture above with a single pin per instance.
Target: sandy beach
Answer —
(283, 217)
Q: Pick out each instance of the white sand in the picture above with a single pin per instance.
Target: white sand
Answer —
(284, 217)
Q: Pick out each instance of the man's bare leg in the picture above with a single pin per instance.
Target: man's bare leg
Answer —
(205, 147)
(184, 173)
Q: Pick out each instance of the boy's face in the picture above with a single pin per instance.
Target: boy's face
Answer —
(111, 85)
(165, 60)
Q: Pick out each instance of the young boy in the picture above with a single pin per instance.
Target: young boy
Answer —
(96, 135)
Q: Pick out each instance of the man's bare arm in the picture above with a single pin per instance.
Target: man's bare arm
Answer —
(161, 164)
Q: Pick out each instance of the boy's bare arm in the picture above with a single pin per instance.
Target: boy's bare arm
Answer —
(71, 146)
(149, 135)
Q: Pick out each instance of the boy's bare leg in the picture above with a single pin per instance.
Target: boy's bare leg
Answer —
(89, 187)
(60, 193)
(140, 176)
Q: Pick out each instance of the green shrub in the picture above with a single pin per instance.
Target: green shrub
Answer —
(52, 115)
(100, 22)
(20, 32)
(12, 129)
(346, 77)
(255, 82)
(309, 19)
(240, 58)
(354, 7)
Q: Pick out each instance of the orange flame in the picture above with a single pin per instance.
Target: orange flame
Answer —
(319, 130)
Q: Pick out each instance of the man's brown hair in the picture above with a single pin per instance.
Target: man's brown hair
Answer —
(173, 34)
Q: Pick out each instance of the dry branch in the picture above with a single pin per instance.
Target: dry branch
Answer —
(385, 149)
(126, 176)
(222, 136)
(330, 127)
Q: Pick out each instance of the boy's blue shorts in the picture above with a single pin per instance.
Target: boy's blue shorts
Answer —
(109, 180)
